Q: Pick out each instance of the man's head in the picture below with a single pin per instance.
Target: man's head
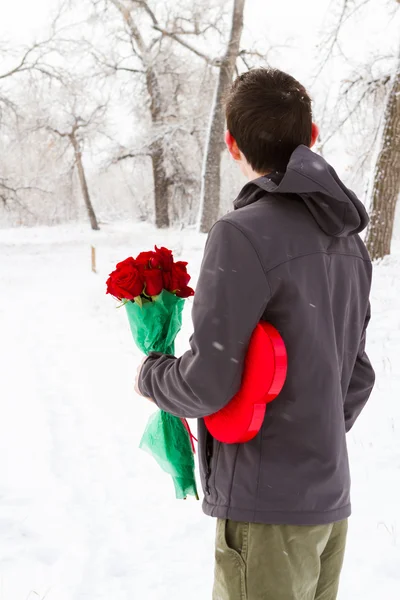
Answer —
(268, 115)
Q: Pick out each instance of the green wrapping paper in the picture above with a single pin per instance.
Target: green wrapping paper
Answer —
(166, 439)
(156, 324)
(154, 327)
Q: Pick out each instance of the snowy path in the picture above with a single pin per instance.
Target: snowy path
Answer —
(83, 513)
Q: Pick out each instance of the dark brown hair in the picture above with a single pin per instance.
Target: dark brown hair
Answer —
(269, 114)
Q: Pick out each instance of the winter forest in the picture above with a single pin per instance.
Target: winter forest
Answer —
(111, 141)
(124, 117)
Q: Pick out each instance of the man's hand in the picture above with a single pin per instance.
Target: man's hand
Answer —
(137, 381)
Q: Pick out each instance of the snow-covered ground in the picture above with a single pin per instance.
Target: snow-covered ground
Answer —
(84, 514)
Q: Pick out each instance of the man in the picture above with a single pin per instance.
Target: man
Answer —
(289, 254)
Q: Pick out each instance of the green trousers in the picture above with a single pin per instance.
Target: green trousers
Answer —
(278, 562)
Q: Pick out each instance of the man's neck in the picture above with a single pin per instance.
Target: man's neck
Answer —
(251, 174)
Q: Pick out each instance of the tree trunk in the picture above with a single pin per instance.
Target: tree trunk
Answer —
(211, 176)
(82, 180)
(161, 182)
(386, 183)
(160, 177)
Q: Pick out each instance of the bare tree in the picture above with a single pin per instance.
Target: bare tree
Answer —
(211, 171)
(211, 176)
(20, 65)
(10, 192)
(386, 181)
(31, 59)
(143, 53)
(75, 136)
(182, 30)
(371, 84)
(227, 66)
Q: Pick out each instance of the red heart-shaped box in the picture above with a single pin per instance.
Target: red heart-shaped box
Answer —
(263, 378)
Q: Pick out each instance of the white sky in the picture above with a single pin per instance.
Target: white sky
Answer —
(21, 20)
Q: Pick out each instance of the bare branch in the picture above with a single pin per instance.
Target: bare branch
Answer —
(356, 9)
(243, 54)
(194, 31)
(155, 41)
(129, 70)
(333, 38)
(130, 23)
(371, 84)
(117, 66)
(188, 46)
(57, 132)
(114, 65)
(8, 104)
(97, 111)
(148, 10)
(251, 53)
(30, 62)
(245, 61)
(131, 155)
(369, 87)
(20, 66)
(193, 21)
(9, 192)
(23, 64)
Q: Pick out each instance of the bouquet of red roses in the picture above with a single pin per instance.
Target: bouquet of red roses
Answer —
(153, 288)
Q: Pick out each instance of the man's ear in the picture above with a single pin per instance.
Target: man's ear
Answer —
(314, 134)
(232, 146)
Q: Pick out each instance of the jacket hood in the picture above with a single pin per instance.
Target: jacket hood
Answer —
(336, 209)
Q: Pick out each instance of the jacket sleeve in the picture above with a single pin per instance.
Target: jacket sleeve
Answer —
(231, 296)
(361, 383)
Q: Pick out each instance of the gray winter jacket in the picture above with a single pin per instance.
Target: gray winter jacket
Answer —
(290, 255)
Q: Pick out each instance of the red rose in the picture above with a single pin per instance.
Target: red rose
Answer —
(185, 292)
(165, 258)
(180, 277)
(153, 281)
(179, 280)
(167, 280)
(145, 259)
(128, 262)
(125, 283)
